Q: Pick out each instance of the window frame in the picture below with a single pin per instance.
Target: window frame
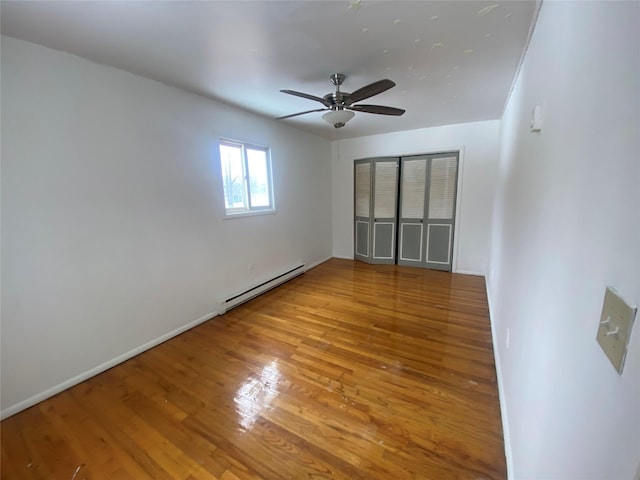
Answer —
(248, 209)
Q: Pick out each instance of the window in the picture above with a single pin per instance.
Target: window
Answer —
(246, 177)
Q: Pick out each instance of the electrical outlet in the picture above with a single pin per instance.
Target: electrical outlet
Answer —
(615, 326)
(250, 268)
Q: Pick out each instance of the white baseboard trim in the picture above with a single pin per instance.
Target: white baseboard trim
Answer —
(469, 272)
(503, 401)
(343, 257)
(314, 265)
(31, 401)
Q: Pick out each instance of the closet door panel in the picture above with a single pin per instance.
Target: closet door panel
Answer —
(362, 239)
(383, 241)
(412, 207)
(441, 207)
(385, 198)
(438, 243)
(362, 210)
(385, 188)
(442, 188)
(375, 209)
(414, 175)
(410, 242)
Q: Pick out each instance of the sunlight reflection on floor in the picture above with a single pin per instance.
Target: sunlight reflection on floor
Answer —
(256, 394)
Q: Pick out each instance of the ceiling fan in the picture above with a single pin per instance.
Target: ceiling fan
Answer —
(340, 104)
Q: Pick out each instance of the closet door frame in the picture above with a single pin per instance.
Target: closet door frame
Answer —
(364, 227)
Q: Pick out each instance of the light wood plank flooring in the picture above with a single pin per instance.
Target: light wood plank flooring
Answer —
(350, 371)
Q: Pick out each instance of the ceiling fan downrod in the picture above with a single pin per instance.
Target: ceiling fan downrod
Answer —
(337, 99)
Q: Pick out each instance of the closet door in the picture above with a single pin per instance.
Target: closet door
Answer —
(412, 203)
(376, 197)
(440, 208)
(427, 210)
(385, 196)
(362, 210)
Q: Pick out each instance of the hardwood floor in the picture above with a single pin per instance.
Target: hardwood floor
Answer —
(349, 371)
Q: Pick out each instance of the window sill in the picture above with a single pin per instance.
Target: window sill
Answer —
(254, 213)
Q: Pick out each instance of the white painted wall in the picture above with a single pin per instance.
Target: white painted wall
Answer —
(112, 214)
(566, 225)
(479, 144)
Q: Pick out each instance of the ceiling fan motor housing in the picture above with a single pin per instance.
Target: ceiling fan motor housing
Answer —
(336, 99)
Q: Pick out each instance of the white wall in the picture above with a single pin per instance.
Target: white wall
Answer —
(479, 144)
(566, 225)
(112, 214)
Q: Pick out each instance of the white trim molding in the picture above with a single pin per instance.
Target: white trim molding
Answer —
(31, 401)
(503, 401)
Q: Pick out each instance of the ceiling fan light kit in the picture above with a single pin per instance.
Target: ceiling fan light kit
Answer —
(338, 118)
(340, 104)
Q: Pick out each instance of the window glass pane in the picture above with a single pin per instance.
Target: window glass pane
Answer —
(232, 176)
(258, 168)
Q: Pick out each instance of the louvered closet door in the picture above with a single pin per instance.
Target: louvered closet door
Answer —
(412, 202)
(376, 197)
(427, 210)
(440, 208)
(385, 196)
(362, 210)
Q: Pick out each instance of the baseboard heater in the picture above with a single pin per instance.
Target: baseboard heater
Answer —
(253, 292)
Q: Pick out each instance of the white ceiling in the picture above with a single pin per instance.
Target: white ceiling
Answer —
(452, 61)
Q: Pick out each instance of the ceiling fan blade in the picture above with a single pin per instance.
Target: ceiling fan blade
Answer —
(379, 109)
(302, 113)
(369, 91)
(307, 96)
